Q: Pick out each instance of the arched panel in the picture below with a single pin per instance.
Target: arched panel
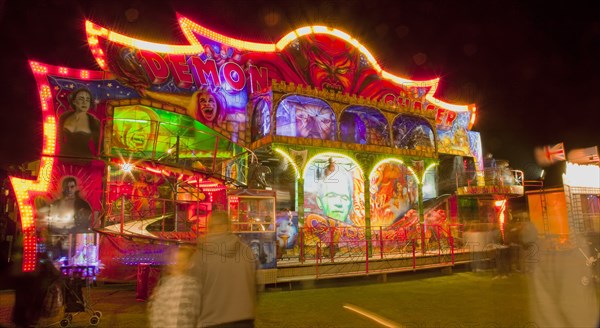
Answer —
(364, 125)
(261, 119)
(411, 132)
(334, 190)
(394, 194)
(305, 117)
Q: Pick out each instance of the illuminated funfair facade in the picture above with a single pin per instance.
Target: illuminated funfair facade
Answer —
(310, 145)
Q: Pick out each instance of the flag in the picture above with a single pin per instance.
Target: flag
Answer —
(548, 155)
(583, 155)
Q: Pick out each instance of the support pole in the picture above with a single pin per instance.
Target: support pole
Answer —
(421, 216)
(300, 208)
(368, 216)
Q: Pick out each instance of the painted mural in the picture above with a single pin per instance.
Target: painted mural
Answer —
(305, 117)
(79, 106)
(411, 132)
(333, 190)
(150, 133)
(364, 125)
(72, 202)
(199, 105)
(66, 214)
(393, 193)
(263, 247)
(261, 115)
(286, 229)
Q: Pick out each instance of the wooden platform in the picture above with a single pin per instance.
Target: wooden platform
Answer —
(291, 269)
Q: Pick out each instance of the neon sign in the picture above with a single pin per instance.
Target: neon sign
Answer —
(192, 70)
(220, 62)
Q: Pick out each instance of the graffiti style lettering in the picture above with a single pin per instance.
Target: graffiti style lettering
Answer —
(155, 66)
(401, 101)
(430, 108)
(445, 117)
(389, 99)
(450, 117)
(418, 106)
(202, 70)
(192, 70)
(439, 116)
(258, 78)
(234, 75)
(181, 71)
(404, 102)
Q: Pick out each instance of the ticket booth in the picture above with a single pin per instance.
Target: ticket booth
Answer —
(252, 214)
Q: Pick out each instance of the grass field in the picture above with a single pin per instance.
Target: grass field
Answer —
(416, 300)
(419, 299)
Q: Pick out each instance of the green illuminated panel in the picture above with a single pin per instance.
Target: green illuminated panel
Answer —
(150, 133)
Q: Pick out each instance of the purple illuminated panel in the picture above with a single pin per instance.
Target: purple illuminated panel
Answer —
(305, 117)
(364, 125)
(411, 132)
(261, 116)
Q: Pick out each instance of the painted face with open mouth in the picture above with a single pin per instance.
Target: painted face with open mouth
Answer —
(208, 106)
(137, 137)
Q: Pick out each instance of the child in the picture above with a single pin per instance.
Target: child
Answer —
(175, 302)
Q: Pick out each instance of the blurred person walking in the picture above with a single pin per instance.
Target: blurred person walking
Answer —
(513, 240)
(35, 297)
(561, 293)
(175, 301)
(225, 268)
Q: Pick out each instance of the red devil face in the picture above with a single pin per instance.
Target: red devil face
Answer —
(333, 63)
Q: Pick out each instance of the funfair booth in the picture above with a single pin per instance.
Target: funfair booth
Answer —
(319, 155)
(560, 213)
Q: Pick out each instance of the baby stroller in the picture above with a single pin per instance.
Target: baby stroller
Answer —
(76, 280)
(592, 263)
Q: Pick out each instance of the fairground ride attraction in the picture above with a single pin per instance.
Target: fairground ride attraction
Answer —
(313, 148)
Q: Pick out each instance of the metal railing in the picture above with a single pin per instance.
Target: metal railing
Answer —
(388, 249)
(128, 208)
(490, 177)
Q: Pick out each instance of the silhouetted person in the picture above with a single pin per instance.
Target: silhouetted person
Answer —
(225, 267)
(30, 292)
(175, 301)
(561, 291)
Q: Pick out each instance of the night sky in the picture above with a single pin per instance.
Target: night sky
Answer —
(532, 69)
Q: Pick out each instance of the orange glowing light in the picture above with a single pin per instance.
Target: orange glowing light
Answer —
(153, 170)
(501, 208)
(473, 116)
(25, 189)
(189, 28)
(22, 189)
(94, 31)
